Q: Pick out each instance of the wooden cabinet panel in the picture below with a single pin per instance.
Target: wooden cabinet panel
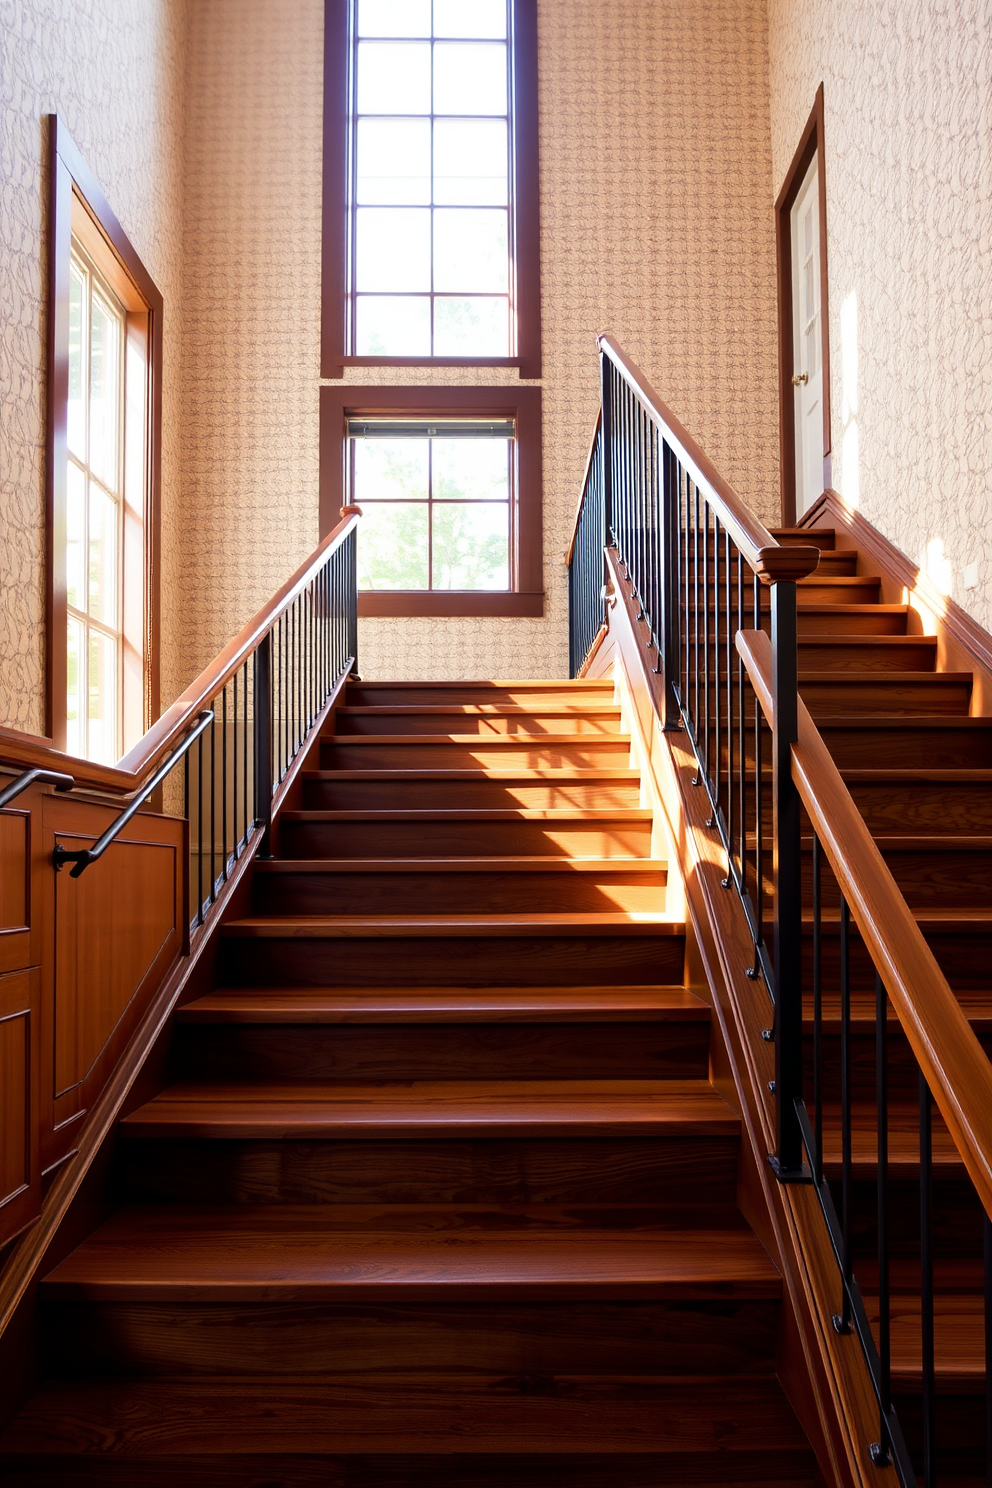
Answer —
(115, 931)
(15, 890)
(111, 924)
(19, 1164)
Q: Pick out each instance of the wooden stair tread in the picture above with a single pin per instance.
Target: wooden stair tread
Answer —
(518, 740)
(496, 709)
(976, 1006)
(479, 813)
(441, 1004)
(904, 1139)
(581, 775)
(972, 921)
(520, 864)
(343, 927)
(389, 1414)
(495, 684)
(447, 1108)
(243, 1252)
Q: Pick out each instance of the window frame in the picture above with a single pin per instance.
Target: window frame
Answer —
(523, 405)
(79, 209)
(335, 352)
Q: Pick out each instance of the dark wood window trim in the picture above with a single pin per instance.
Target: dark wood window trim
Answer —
(810, 144)
(68, 174)
(526, 253)
(523, 405)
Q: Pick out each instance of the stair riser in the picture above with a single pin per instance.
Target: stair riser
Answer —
(959, 1430)
(817, 590)
(457, 893)
(464, 838)
(457, 694)
(830, 620)
(845, 698)
(920, 809)
(497, 1172)
(918, 657)
(513, 961)
(597, 1338)
(957, 1220)
(584, 754)
(866, 748)
(583, 724)
(465, 795)
(928, 880)
(786, 1469)
(962, 956)
(903, 1070)
(438, 1051)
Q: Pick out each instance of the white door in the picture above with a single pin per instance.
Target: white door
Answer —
(807, 347)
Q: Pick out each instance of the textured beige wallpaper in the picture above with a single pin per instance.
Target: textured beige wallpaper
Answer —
(656, 224)
(115, 71)
(908, 128)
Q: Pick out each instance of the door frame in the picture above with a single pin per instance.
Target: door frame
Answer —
(810, 144)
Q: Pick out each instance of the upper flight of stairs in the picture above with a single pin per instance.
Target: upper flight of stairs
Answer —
(438, 1191)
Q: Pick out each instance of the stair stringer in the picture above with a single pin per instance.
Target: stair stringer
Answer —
(823, 1373)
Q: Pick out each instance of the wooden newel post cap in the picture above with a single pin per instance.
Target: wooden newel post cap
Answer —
(351, 511)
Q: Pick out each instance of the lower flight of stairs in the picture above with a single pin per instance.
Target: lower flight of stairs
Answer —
(440, 1192)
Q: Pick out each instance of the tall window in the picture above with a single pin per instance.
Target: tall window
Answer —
(103, 471)
(430, 222)
(94, 516)
(437, 504)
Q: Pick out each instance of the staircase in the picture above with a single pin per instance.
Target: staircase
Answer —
(437, 1189)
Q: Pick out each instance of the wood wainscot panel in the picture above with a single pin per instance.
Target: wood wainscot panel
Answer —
(16, 949)
(20, 1167)
(117, 930)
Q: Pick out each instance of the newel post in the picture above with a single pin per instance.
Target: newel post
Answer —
(262, 700)
(787, 876)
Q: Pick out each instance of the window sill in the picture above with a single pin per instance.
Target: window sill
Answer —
(397, 604)
(438, 361)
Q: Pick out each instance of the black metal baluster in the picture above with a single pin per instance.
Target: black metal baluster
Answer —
(715, 768)
(199, 830)
(223, 784)
(704, 725)
(842, 1321)
(695, 647)
(987, 1248)
(729, 663)
(759, 826)
(742, 728)
(248, 818)
(818, 1009)
(213, 809)
(234, 766)
(263, 741)
(880, 1449)
(186, 814)
(926, 1286)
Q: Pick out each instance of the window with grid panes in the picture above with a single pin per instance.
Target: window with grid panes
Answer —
(437, 501)
(94, 514)
(431, 220)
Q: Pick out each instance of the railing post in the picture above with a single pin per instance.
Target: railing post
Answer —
(263, 742)
(787, 875)
(606, 404)
(670, 606)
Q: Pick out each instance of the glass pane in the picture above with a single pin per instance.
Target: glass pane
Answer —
(470, 18)
(74, 689)
(77, 366)
(394, 161)
(394, 17)
(471, 327)
(103, 557)
(469, 78)
(102, 690)
(471, 547)
(470, 162)
(392, 553)
(471, 470)
(394, 248)
(470, 250)
(75, 536)
(390, 470)
(105, 371)
(393, 326)
(394, 77)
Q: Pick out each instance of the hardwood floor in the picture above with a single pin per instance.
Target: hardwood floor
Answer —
(439, 1191)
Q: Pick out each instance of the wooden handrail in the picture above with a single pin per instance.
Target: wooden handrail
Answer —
(583, 485)
(953, 1062)
(770, 560)
(25, 751)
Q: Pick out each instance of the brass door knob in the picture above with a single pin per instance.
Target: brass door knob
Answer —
(800, 379)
